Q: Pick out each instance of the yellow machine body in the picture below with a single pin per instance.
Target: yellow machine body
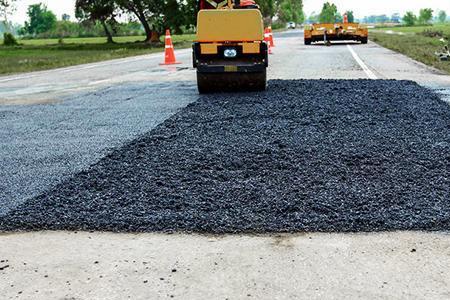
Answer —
(336, 32)
(213, 48)
(229, 25)
(240, 31)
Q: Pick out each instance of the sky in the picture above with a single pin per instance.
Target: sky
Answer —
(360, 8)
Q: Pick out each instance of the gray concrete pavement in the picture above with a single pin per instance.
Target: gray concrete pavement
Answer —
(60, 265)
(86, 110)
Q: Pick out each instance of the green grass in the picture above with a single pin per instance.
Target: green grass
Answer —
(415, 45)
(418, 29)
(44, 54)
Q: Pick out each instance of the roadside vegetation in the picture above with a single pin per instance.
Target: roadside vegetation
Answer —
(444, 29)
(417, 36)
(95, 30)
(418, 42)
(34, 55)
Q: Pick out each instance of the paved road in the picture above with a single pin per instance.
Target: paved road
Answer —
(56, 123)
(292, 60)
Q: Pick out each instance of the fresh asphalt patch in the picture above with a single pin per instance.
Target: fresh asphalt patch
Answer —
(307, 155)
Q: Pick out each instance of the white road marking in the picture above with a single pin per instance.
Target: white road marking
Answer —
(99, 82)
(16, 78)
(368, 72)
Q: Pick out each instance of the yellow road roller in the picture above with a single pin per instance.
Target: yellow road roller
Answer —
(229, 52)
(328, 32)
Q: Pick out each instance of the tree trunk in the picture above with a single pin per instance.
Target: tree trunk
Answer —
(108, 33)
(141, 17)
(155, 39)
(7, 24)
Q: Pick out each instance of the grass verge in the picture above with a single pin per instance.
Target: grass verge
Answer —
(418, 29)
(415, 45)
(36, 55)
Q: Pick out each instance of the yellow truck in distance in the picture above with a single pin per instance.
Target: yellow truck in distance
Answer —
(328, 32)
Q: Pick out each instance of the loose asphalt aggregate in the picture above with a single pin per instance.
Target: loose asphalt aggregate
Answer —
(307, 155)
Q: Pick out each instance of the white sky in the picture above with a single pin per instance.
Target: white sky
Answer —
(361, 8)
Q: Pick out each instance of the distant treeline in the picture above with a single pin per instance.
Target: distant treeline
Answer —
(148, 17)
(66, 29)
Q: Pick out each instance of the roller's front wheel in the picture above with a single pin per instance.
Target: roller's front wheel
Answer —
(231, 82)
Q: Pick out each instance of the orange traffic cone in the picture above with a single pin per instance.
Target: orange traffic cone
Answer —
(267, 40)
(272, 44)
(169, 58)
(345, 19)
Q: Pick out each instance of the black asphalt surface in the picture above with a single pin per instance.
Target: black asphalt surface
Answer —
(307, 155)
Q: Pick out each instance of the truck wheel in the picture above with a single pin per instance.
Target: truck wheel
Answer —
(307, 41)
(364, 40)
(231, 82)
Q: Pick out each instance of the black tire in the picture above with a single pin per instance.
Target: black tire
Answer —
(307, 41)
(364, 40)
(231, 82)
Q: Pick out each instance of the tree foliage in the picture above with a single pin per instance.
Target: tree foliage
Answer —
(103, 11)
(155, 16)
(9, 39)
(268, 8)
(6, 8)
(313, 18)
(291, 11)
(376, 19)
(442, 16)
(409, 18)
(40, 19)
(395, 18)
(350, 16)
(329, 13)
(425, 15)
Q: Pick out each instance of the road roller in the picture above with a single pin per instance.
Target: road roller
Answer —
(229, 52)
(327, 32)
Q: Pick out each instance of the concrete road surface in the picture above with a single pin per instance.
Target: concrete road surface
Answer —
(56, 123)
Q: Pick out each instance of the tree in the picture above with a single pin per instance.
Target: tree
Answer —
(409, 18)
(65, 17)
(9, 39)
(350, 16)
(442, 16)
(173, 16)
(138, 8)
(190, 11)
(103, 11)
(328, 13)
(40, 19)
(395, 18)
(6, 8)
(268, 9)
(291, 11)
(313, 18)
(157, 15)
(425, 15)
